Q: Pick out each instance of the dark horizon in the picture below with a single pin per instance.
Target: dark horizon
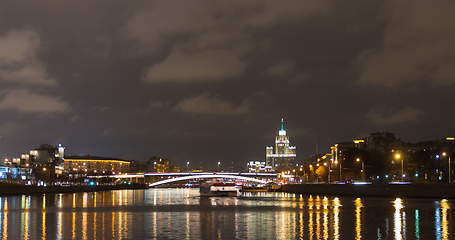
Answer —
(210, 81)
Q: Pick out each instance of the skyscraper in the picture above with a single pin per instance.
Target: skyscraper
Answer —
(282, 156)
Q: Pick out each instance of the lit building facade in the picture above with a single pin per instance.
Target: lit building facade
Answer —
(95, 165)
(282, 156)
(256, 167)
(47, 161)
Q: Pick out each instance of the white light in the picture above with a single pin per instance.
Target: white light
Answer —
(207, 176)
(282, 155)
(361, 183)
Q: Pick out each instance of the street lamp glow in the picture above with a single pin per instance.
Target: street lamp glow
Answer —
(397, 156)
(444, 154)
(357, 159)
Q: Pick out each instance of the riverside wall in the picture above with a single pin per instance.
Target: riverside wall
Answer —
(375, 190)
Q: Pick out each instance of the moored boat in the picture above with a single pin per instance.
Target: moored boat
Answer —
(219, 190)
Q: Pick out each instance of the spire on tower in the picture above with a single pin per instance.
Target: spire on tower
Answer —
(282, 131)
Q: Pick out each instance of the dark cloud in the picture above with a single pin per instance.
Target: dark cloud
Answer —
(205, 104)
(182, 67)
(194, 81)
(24, 101)
(416, 46)
(402, 115)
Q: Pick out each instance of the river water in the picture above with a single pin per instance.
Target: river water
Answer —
(182, 214)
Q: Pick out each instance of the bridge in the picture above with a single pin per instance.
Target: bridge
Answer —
(176, 177)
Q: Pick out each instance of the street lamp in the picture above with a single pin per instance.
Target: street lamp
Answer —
(362, 171)
(397, 156)
(219, 166)
(188, 166)
(450, 169)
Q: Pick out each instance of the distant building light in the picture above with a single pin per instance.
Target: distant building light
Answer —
(450, 138)
(357, 141)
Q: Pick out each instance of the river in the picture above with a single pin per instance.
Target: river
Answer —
(182, 214)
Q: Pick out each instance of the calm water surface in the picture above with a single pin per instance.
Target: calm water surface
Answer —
(181, 214)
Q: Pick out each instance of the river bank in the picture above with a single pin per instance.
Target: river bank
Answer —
(17, 189)
(375, 190)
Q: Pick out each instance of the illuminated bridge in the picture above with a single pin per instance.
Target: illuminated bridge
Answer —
(176, 177)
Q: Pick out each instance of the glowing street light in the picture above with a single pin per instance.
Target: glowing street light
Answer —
(450, 169)
(397, 157)
(362, 170)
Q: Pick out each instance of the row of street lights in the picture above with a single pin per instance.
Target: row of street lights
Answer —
(188, 165)
(444, 154)
(396, 156)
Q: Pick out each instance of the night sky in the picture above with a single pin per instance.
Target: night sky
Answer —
(208, 81)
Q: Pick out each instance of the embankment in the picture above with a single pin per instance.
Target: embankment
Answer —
(16, 189)
(375, 190)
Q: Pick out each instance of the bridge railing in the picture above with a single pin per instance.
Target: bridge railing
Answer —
(141, 175)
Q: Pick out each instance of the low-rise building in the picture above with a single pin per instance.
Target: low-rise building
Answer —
(257, 166)
(95, 165)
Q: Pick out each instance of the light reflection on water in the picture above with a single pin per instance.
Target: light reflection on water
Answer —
(181, 214)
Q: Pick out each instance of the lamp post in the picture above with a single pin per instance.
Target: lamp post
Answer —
(450, 169)
(219, 166)
(336, 162)
(398, 157)
(188, 166)
(328, 175)
(362, 171)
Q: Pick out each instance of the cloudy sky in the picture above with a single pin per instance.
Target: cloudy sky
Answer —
(209, 80)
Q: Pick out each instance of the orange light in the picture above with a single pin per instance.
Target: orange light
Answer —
(96, 160)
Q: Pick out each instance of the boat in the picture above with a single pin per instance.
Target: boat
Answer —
(219, 190)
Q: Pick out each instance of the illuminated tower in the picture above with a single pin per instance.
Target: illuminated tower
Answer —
(282, 156)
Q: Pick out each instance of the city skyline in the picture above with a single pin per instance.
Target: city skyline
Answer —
(99, 81)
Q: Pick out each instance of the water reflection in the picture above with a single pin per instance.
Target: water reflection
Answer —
(358, 218)
(441, 219)
(181, 214)
(397, 220)
(336, 220)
